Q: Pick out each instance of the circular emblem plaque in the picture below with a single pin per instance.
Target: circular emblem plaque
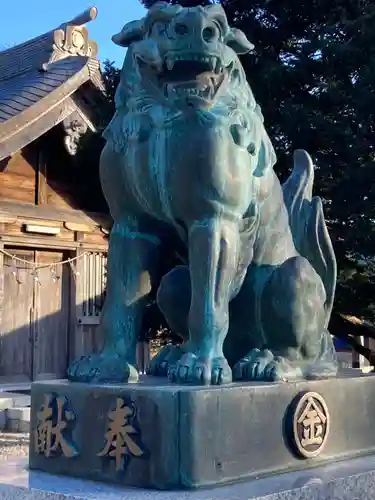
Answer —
(311, 423)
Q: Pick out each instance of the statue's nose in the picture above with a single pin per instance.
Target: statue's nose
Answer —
(201, 29)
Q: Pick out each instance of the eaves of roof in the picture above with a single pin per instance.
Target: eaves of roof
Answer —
(38, 75)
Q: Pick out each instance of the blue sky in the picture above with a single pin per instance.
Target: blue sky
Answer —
(21, 20)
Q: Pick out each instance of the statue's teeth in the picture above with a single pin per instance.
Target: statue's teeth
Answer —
(215, 81)
(170, 64)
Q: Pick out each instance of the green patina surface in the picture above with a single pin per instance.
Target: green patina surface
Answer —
(188, 158)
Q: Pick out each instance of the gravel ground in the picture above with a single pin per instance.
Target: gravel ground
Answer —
(13, 445)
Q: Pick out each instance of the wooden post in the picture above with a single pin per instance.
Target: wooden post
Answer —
(76, 344)
(358, 360)
(142, 356)
(147, 355)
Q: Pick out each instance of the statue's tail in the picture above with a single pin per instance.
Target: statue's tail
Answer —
(308, 226)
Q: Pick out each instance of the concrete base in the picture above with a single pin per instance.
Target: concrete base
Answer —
(14, 412)
(186, 437)
(348, 480)
(18, 420)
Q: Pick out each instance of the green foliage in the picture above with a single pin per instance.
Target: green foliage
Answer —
(313, 72)
(111, 78)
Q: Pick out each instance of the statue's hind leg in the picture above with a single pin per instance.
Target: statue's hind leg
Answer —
(132, 262)
(292, 320)
(173, 299)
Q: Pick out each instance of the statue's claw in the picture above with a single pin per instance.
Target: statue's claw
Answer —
(191, 369)
(263, 365)
(164, 360)
(100, 369)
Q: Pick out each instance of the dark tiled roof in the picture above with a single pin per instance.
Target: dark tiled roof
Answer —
(25, 57)
(21, 92)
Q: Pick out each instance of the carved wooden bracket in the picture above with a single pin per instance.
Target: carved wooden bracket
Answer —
(75, 127)
(72, 39)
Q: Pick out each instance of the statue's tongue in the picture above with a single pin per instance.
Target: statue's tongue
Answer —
(204, 85)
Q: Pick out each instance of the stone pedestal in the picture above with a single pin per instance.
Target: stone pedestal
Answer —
(161, 436)
(348, 480)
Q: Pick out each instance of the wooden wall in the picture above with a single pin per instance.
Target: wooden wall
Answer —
(44, 173)
(45, 324)
(35, 316)
(89, 293)
(18, 177)
(68, 182)
(57, 179)
(13, 232)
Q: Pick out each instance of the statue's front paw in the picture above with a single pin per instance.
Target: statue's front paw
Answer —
(191, 369)
(102, 369)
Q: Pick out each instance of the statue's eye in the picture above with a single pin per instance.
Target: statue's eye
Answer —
(220, 25)
(219, 28)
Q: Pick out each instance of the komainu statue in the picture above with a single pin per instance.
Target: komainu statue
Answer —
(188, 158)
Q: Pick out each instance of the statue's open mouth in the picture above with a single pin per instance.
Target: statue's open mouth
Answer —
(192, 77)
